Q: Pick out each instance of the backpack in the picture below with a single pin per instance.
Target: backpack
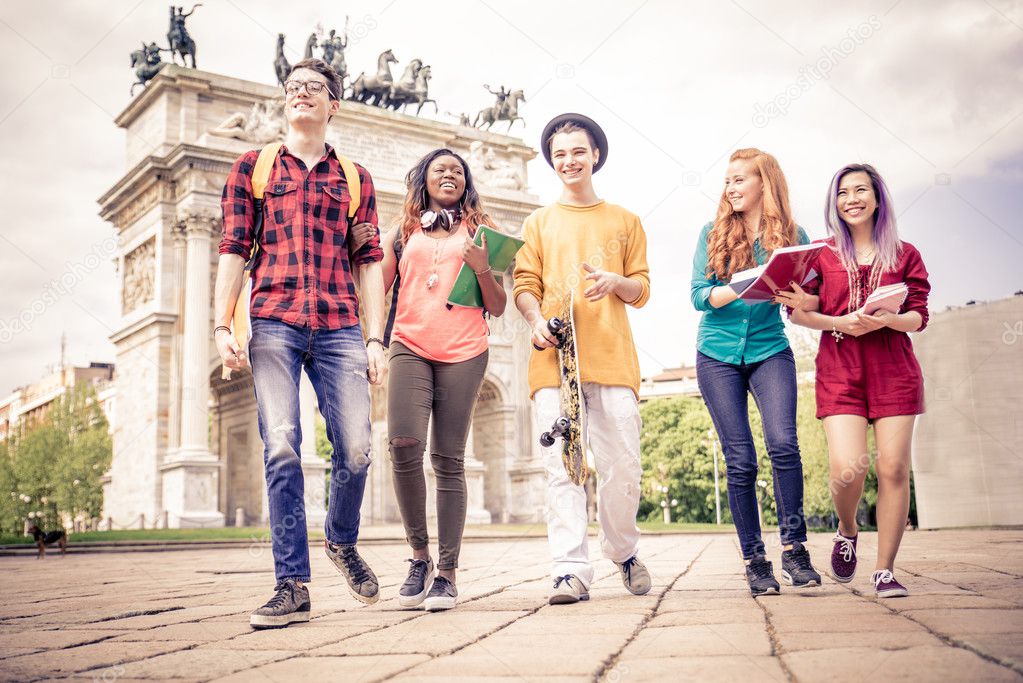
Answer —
(241, 326)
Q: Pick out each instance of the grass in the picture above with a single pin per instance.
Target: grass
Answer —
(262, 533)
(229, 533)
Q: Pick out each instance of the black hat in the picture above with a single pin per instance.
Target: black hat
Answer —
(586, 122)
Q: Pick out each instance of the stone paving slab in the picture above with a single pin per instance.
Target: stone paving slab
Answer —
(183, 616)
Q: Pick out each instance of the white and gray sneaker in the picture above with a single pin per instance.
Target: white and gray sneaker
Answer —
(443, 595)
(568, 589)
(362, 582)
(635, 576)
(289, 604)
(417, 584)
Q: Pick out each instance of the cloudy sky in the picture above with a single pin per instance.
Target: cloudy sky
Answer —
(930, 92)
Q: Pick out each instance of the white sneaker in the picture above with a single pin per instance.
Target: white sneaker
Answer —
(568, 589)
(635, 576)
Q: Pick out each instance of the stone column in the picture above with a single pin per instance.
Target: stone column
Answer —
(475, 470)
(178, 239)
(191, 484)
(314, 468)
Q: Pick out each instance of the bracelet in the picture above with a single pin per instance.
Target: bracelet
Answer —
(221, 327)
(834, 331)
(482, 272)
(374, 339)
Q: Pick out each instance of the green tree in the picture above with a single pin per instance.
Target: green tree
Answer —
(53, 469)
(676, 454)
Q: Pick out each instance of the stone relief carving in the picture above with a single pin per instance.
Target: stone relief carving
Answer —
(264, 123)
(139, 273)
(490, 171)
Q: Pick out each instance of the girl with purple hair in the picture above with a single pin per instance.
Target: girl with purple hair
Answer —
(866, 370)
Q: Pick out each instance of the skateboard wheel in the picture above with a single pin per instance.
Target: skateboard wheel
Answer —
(546, 440)
(561, 425)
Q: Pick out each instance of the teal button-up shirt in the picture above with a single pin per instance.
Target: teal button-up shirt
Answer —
(736, 333)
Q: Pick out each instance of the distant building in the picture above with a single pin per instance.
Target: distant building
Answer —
(968, 447)
(670, 382)
(28, 405)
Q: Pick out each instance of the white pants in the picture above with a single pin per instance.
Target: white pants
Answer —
(612, 433)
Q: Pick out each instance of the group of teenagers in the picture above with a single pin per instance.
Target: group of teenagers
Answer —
(317, 268)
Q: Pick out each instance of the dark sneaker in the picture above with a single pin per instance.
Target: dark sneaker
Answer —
(843, 558)
(567, 590)
(443, 595)
(885, 585)
(412, 592)
(760, 576)
(289, 604)
(635, 576)
(362, 582)
(796, 569)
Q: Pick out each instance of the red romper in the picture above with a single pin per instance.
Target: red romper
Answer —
(876, 374)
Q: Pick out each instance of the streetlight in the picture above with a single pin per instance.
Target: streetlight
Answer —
(717, 485)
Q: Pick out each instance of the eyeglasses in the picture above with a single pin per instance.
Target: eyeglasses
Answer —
(293, 87)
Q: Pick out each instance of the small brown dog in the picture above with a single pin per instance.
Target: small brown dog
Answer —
(48, 538)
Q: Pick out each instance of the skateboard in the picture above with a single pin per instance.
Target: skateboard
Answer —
(570, 424)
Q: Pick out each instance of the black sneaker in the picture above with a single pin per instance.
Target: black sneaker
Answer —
(443, 595)
(362, 582)
(290, 603)
(760, 576)
(412, 592)
(796, 569)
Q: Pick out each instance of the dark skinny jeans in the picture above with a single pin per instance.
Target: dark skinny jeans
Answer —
(416, 388)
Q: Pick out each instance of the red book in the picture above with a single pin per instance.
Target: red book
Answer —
(888, 298)
(786, 265)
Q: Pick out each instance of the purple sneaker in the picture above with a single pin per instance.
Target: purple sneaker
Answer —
(885, 585)
(843, 558)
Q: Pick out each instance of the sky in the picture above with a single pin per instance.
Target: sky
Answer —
(930, 92)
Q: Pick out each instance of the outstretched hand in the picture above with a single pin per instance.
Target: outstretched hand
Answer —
(604, 283)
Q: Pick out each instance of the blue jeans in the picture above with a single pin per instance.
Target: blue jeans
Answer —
(772, 382)
(336, 363)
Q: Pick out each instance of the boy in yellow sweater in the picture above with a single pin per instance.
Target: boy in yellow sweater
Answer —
(583, 244)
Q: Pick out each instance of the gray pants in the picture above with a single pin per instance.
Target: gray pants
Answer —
(416, 388)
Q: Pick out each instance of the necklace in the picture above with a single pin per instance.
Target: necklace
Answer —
(440, 245)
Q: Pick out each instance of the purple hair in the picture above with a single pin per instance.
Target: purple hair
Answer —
(885, 235)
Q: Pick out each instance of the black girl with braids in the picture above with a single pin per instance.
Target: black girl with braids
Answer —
(438, 356)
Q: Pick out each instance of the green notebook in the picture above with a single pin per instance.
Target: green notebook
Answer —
(501, 249)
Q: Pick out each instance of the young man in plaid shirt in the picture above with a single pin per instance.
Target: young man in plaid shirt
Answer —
(305, 314)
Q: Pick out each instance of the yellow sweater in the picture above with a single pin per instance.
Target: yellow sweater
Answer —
(559, 238)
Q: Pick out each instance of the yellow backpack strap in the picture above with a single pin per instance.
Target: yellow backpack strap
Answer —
(354, 183)
(264, 164)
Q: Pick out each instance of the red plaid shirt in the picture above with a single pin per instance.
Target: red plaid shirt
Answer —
(303, 274)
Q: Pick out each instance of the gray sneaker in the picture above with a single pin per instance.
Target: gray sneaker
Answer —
(417, 585)
(568, 589)
(362, 582)
(443, 595)
(289, 604)
(635, 576)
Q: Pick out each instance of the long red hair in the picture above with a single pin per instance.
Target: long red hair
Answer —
(728, 247)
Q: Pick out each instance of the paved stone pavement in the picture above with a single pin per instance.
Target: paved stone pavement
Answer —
(184, 615)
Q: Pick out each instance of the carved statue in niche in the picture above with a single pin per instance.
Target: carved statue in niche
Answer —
(491, 171)
(139, 271)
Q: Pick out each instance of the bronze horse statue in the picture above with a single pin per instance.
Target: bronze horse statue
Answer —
(180, 42)
(281, 65)
(147, 64)
(373, 89)
(419, 94)
(509, 111)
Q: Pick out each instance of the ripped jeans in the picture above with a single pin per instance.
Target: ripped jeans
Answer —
(336, 363)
